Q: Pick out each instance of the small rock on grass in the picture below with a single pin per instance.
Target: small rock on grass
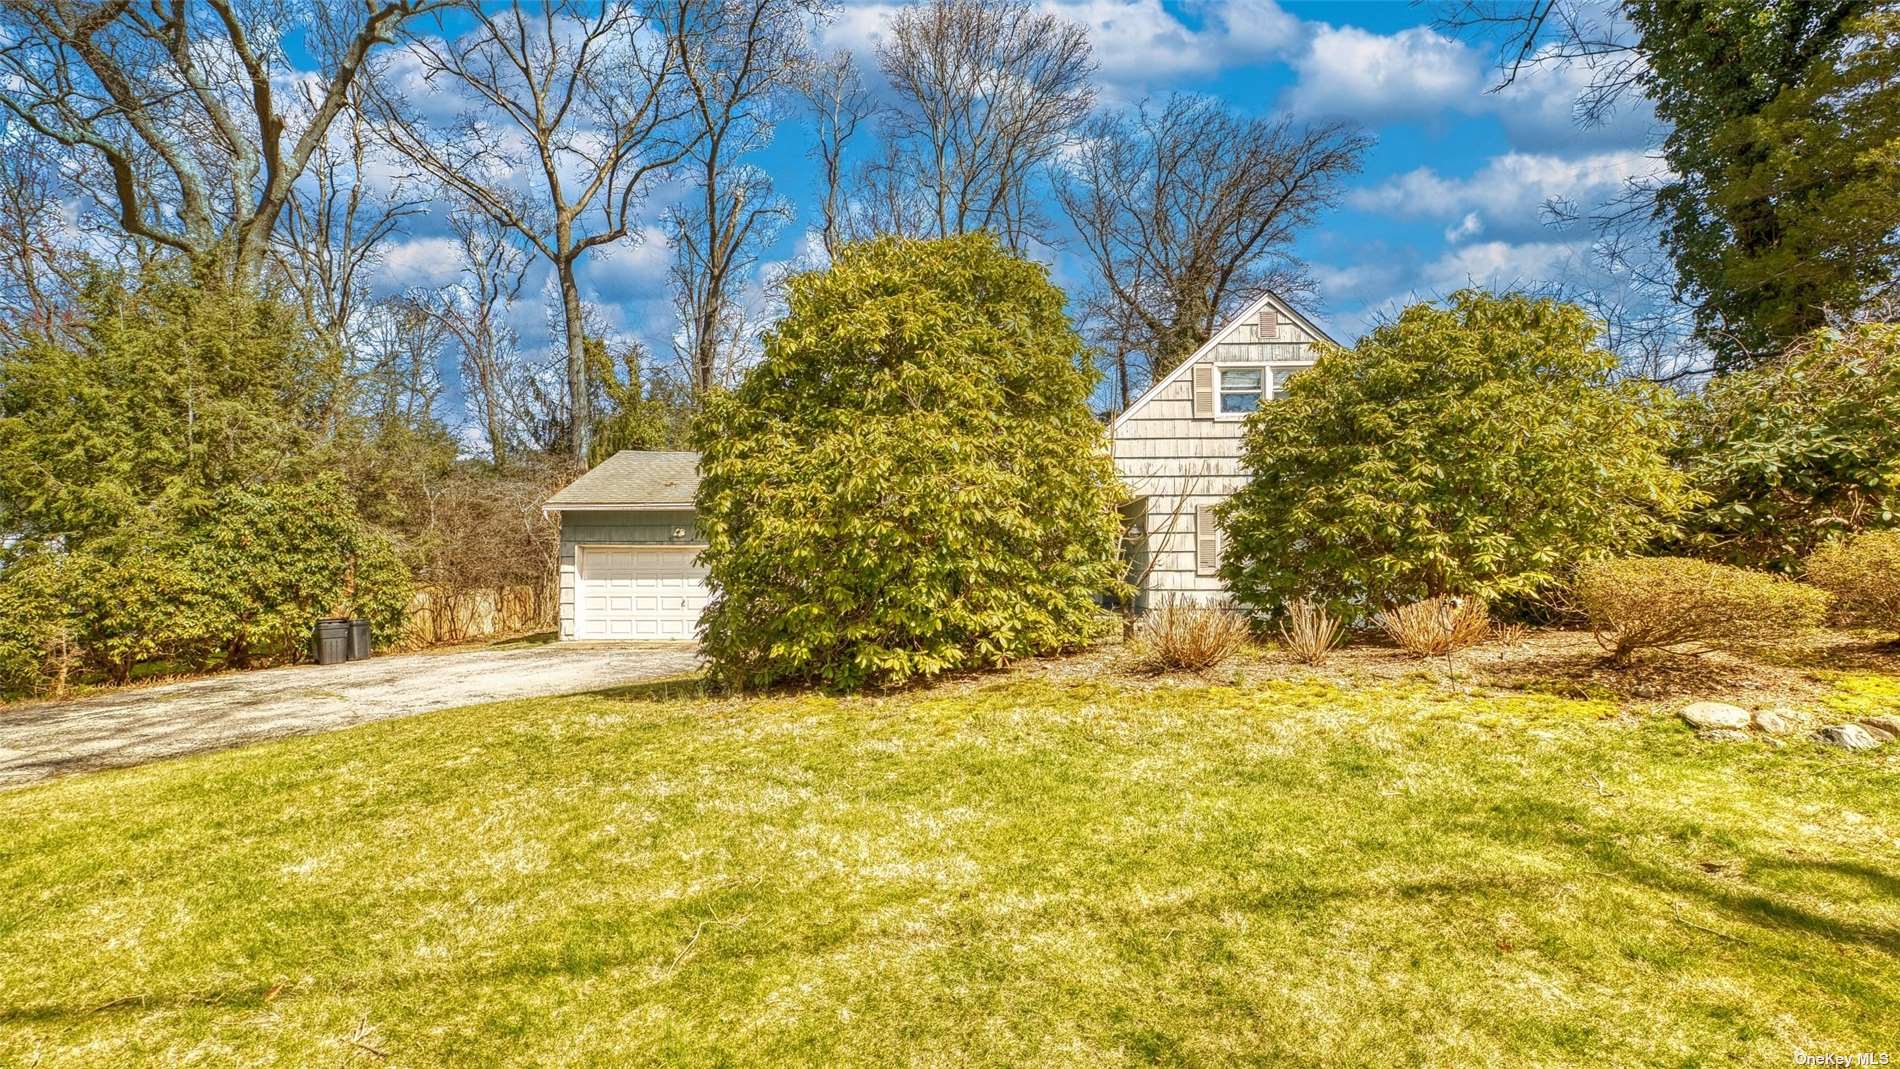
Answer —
(1709, 716)
(1847, 737)
(1879, 726)
(1724, 735)
(1776, 721)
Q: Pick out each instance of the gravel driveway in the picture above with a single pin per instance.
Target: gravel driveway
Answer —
(140, 724)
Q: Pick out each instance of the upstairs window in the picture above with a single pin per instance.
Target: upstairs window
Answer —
(1281, 375)
(1240, 389)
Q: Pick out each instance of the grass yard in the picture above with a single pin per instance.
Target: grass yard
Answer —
(1028, 871)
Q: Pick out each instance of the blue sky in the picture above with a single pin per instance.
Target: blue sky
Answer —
(1453, 191)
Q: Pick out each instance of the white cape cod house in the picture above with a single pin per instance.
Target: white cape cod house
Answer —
(630, 544)
(1177, 447)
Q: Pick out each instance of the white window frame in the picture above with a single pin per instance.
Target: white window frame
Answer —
(1220, 374)
(1267, 391)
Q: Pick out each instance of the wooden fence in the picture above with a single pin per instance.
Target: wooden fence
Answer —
(443, 617)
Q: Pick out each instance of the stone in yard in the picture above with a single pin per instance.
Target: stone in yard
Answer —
(1882, 725)
(1848, 737)
(1707, 716)
(1776, 721)
(1725, 735)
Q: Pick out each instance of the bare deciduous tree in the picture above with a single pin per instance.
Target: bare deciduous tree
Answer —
(838, 104)
(1188, 212)
(336, 225)
(581, 97)
(988, 91)
(179, 100)
(736, 58)
(474, 312)
(711, 259)
(37, 265)
(400, 370)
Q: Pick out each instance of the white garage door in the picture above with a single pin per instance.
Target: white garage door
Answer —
(627, 592)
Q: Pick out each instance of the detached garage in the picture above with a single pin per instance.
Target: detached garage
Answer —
(629, 549)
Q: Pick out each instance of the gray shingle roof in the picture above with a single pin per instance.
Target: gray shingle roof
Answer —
(635, 477)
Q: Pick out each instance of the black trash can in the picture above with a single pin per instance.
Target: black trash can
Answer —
(359, 640)
(330, 642)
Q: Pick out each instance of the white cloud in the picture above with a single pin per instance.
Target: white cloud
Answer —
(1135, 41)
(1417, 73)
(1500, 265)
(629, 270)
(1468, 227)
(419, 261)
(1349, 285)
(1539, 111)
(1382, 282)
(1141, 43)
(1257, 29)
(1138, 44)
(1421, 74)
(858, 28)
(1507, 197)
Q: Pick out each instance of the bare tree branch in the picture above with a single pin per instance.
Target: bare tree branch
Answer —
(335, 227)
(989, 91)
(1186, 213)
(737, 57)
(592, 93)
(474, 312)
(838, 104)
(176, 99)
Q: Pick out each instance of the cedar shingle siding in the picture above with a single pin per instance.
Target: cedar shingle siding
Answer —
(1179, 455)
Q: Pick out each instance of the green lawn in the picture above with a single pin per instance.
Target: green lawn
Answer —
(1027, 873)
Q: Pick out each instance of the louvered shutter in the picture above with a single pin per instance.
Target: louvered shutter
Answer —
(1206, 541)
(1203, 392)
(1269, 322)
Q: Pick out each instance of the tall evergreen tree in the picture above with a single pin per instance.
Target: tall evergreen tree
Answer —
(1779, 210)
(1785, 146)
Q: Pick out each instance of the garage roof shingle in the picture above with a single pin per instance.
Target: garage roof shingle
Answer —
(635, 477)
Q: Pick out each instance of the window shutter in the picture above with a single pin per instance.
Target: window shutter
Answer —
(1206, 541)
(1203, 392)
(1270, 322)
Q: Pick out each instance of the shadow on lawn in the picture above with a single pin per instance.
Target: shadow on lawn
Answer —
(1652, 677)
(1596, 843)
(676, 688)
(582, 952)
(1886, 883)
(249, 995)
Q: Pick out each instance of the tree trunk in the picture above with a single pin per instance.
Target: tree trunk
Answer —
(580, 415)
(488, 381)
(497, 433)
